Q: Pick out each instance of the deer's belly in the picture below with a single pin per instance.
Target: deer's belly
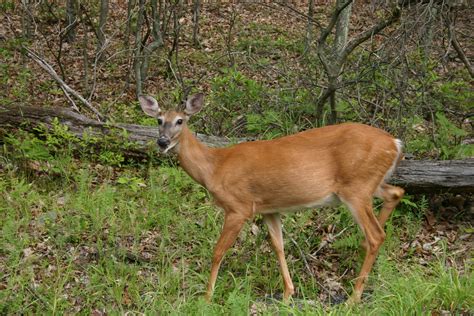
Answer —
(292, 206)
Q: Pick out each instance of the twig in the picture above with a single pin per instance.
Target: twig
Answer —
(326, 242)
(306, 262)
(457, 47)
(73, 104)
(377, 28)
(100, 53)
(41, 62)
(285, 5)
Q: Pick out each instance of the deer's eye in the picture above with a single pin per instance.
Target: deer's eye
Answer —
(179, 122)
(160, 121)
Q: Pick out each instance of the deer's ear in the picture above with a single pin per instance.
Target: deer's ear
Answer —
(194, 104)
(149, 105)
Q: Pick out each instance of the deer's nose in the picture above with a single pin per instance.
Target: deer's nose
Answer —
(163, 142)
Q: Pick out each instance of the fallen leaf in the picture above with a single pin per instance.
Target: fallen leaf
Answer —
(255, 229)
(430, 218)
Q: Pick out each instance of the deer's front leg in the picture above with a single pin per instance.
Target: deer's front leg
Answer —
(273, 222)
(233, 224)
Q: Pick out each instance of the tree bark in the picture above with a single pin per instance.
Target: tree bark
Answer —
(104, 12)
(421, 176)
(71, 20)
(128, 27)
(138, 59)
(196, 12)
(416, 176)
(455, 43)
(155, 44)
(27, 19)
(309, 27)
(342, 27)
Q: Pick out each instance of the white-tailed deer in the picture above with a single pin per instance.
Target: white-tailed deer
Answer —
(346, 163)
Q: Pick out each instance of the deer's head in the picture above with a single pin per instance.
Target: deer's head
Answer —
(171, 123)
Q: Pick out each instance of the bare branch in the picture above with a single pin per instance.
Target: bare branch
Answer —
(73, 104)
(155, 44)
(41, 62)
(457, 46)
(309, 17)
(362, 37)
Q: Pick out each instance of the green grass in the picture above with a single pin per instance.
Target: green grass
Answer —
(140, 240)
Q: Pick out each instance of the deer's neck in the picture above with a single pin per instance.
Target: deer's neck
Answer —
(196, 158)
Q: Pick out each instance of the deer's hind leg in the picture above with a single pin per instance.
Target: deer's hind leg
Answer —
(361, 209)
(391, 196)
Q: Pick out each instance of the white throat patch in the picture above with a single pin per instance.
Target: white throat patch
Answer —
(170, 147)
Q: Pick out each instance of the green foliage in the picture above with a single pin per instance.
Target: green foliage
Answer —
(21, 87)
(446, 141)
(267, 113)
(453, 94)
(270, 41)
(268, 45)
(7, 5)
(407, 202)
(58, 137)
(58, 141)
(111, 158)
(133, 183)
(27, 147)
(232, 95)
(438, 287)
(266, 124)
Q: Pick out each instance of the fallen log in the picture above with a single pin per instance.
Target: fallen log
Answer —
(416, 176)
(32, 117)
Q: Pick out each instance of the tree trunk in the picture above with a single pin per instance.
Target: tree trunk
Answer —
(27, 19)
(104, 12)
(196, 11)
(175, 47)
(30, 118)
(309, 27)
(332, 104)
(342, 27)
(85, 60)
(71, 20)
(334, 58)
(137, 62)
(128, 27)
(415, 176)
(340, 41)
(155, 44)
(320, 105)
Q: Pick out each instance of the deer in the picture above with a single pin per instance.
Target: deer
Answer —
(347, 163)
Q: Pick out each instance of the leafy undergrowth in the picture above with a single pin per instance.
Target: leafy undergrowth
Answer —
(117, 240)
